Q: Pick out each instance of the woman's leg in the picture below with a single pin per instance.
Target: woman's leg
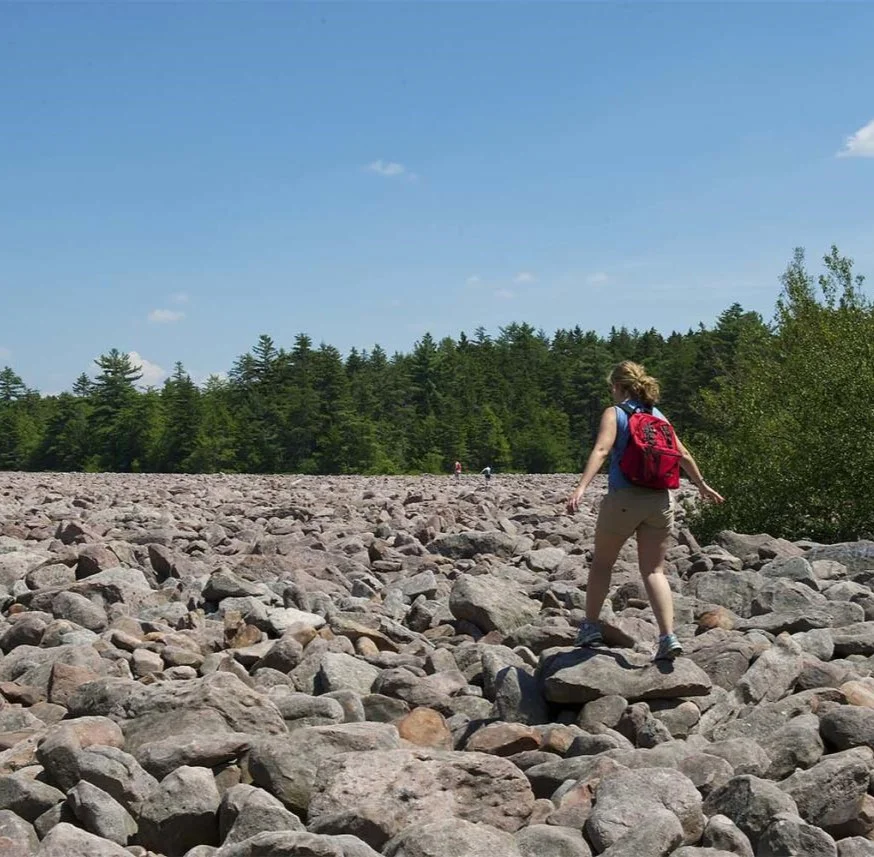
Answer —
(607, 547)
(652, 545)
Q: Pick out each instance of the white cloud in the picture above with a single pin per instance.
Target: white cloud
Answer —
(503, 294)
(473, 280)
(202, 379)
(389, 169)
(599, 278)
(860, 144)
(179, 298)
(153, 374)
(165, 316)
(5, 352)
(524, 277)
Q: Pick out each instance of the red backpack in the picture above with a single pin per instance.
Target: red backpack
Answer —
(652, 456)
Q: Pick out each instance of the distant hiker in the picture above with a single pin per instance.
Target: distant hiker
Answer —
(645, 461)
(487, 472)
(457, 469)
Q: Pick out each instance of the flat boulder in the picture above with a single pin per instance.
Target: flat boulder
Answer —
(581, 675)
(377, 795)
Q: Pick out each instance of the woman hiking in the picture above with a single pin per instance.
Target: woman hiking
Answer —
(629, 508)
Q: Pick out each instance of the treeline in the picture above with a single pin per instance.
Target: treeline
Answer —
(779, 414)
(522, 401)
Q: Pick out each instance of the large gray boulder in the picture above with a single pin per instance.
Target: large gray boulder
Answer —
(581, 675)
(832, 792)
(467, 545)
(788, 836)
(751, 803)
(219, 702)
(491, 603)
(286, 767)
(100, 814)
(181, 813)
(452, 837)
(65, 840)
(295, 844)
(26, 797)
(246, 811)
(546, 840)
(17, 837)
(376, 795)
(625, 800)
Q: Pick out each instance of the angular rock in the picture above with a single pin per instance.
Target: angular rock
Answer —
(26, 797)
(17, 837)
(751, 803)
(855, 846)
(65, 840)
(182, 813)
(832, 792)
(246, 811)
(659, 837)
(345, 672)
(467, 545)
(546, 840)
(491, 604)
(99, 814)
(775, 672)
(790, 836)
(518, 697)
(161, 758)
(721, 833)
(848, 726)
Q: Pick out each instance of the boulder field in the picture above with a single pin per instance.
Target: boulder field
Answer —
(349, 666)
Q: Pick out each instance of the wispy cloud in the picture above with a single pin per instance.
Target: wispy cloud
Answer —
(860, 144)
(474, 280)
(524, 277)
(391, 170)
(503, 294)
(165, 316)
(598, 278)
(153, 374)
(5, 352)
(179, 298)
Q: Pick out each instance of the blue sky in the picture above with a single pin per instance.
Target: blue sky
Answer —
(176, 179)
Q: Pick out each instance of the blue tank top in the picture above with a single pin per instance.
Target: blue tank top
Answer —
(615, 478)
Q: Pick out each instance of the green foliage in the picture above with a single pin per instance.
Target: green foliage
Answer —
(788, 436)
(776, 414)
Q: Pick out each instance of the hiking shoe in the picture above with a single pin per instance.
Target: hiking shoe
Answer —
(589, 634)
(669, 648)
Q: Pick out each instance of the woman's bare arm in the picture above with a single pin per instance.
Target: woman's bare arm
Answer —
(690, 467)
(603, 444)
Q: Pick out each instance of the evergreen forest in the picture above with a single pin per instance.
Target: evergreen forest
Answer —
(777, 411)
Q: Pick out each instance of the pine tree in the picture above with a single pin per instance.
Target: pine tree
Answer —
(115, 398)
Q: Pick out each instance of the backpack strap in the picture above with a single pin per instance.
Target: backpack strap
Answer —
(624, 406)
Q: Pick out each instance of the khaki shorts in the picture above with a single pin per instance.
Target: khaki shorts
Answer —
(628, 510)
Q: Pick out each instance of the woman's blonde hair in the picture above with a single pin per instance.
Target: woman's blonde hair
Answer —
(634, 381)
